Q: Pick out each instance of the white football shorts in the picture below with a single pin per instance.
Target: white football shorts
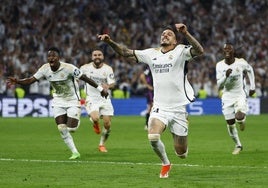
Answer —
(231, 106)
(176, 121)
(73, 112)
(104, 107)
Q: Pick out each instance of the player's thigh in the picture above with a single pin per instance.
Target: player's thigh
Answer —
(73, 114)
(60, 114)
(157, 122)
(106, 109)
(228, 110)
(179, 124)
(91, 107)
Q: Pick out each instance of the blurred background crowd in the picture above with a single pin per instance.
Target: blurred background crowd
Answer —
(29, 27)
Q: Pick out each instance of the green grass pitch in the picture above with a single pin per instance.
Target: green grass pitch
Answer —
(32, 154)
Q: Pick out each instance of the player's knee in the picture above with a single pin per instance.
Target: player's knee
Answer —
(73, 128)
(95, 119)
(241, 120)
(107, 125)
(153, 137)
(62, 127)
(240, 116)
(182, 154)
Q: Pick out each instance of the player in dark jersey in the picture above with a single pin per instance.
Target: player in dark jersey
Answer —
(147, 80)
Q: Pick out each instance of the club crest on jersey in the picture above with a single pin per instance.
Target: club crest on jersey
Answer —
(170, 57)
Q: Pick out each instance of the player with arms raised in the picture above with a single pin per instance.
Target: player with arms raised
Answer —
(172, 91)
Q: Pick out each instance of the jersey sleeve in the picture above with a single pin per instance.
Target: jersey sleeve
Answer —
(142, 55)
(40, 72)
(251, 76)
(220, 76)
(110, 77)
(77, 73)
(187, 52)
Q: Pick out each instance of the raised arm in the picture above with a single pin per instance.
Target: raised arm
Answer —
(197, 49)
(120, 49)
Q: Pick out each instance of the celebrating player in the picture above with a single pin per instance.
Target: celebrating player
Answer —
(230, 73)
(66, 98)
(172, 91)
(97, 106)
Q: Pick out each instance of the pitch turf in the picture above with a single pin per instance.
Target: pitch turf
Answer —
(33, 155)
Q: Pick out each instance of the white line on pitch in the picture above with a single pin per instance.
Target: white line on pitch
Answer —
(124, 163)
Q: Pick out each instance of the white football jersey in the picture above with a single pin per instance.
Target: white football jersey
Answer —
(169, 71)
(64, 83)
(234, 85)
(102, 75)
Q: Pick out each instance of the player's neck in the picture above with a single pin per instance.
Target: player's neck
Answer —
(168, 48)
(229, 61)
(97, 66)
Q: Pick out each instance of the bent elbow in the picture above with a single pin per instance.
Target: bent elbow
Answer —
(201, 51)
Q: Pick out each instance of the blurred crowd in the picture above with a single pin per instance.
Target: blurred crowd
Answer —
(29, 27)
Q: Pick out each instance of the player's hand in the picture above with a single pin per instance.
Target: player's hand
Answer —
(104, 37)
(11, 81)
(181, 28)
(251, 93)
(228, 72)
(104, 93)
(105, 86)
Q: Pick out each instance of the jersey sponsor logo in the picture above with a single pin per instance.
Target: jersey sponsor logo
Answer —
(99, 80)
(162, 68)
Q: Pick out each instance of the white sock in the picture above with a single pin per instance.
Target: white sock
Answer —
(159, 149)
(67, 138)
(104, 136)
(234, 134)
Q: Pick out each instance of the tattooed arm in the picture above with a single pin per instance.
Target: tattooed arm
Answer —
(120, 49)
(197, 48)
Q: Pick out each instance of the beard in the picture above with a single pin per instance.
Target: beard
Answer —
(164, 44)
(98, 62)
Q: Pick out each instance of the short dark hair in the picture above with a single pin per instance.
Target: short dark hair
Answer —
(55, 49)
(96, 49)
(172, 28)
(231, 42)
